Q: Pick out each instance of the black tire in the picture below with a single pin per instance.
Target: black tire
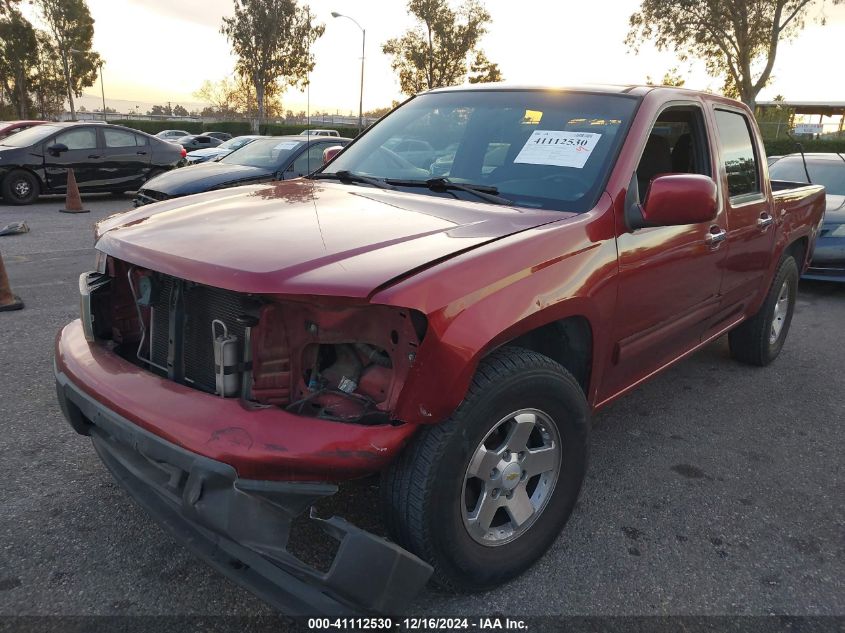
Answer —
(754, 342)
(20, 187)
(423, 490)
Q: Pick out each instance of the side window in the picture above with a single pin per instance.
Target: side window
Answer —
(310, 160)
(140, 141)
(738, 153)
(677, 144)
(82, 138)
(118, 138)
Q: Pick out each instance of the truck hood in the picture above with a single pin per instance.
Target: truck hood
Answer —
(202, 177)
(306, 237)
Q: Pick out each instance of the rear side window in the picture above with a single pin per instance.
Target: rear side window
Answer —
(738, 154)
(118, 138)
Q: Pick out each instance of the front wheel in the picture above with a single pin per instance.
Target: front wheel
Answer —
(758, 340)
(483, 495)
(20, 187)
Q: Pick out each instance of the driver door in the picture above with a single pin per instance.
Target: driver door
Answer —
(83, 155)
(669, 276)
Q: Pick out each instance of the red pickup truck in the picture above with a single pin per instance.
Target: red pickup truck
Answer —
(451, 328)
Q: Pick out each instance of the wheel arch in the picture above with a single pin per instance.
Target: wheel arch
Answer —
(798, 250)
(567, 341)
(565, 333)
(42, 185)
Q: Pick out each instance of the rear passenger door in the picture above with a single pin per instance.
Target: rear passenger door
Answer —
(126, 158)
(750, 221)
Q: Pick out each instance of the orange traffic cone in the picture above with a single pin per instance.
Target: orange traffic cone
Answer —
(73, 202)
(8, 301)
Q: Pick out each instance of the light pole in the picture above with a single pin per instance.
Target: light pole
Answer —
(335, 14)
(102, 88)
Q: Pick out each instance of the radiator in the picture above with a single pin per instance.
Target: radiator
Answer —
(201, 305)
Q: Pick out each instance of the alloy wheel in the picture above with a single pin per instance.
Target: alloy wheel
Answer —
(780, 312)
(511, 477)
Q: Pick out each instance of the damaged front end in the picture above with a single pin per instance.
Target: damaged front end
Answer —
(224, 414)
(314, 356)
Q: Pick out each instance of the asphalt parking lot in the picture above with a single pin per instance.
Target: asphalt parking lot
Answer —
(715, 489)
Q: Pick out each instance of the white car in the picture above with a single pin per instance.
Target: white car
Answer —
(320, 133)
(171, 135)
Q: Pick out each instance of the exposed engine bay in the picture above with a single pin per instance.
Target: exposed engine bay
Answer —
(314, 356)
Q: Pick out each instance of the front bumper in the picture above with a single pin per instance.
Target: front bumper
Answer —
(241, 526)
(228, 482)
(259, 444)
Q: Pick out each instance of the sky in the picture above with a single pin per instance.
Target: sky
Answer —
(162, 50)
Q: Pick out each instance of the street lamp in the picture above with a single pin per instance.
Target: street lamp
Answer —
(102, 88)
(335, 14)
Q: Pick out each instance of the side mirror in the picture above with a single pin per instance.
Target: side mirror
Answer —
(674, 200)
(57, 148)
(330, 152)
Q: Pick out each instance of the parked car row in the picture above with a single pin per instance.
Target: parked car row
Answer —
(35, 157)
(103, 157)
(261, 159)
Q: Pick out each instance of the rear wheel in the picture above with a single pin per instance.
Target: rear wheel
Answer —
(484, 494)
(20, 187)
(758, 340)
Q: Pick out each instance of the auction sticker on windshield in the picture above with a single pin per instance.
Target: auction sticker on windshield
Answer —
(554, 147)
(286, 145)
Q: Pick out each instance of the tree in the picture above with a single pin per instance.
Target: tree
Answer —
(72, 28)
(227, 98)
(272, 40)
(437, 51)
(220, 97)
(737, 39)
(670, 78)
(48, 84)
(180, 110)
(160, 110)
(18, 56)
(483, 71)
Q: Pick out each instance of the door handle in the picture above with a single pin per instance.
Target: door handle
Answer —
(764, 221)
(93, 156)
(717, 237)
(141, 153)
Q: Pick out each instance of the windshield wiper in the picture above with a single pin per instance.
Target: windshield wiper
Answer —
(485, 192)
(347, 176)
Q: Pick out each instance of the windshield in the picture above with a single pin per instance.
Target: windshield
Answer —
(235, 143)
(267, 153)
(830, 173)
(30, 136)
(542, 149)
